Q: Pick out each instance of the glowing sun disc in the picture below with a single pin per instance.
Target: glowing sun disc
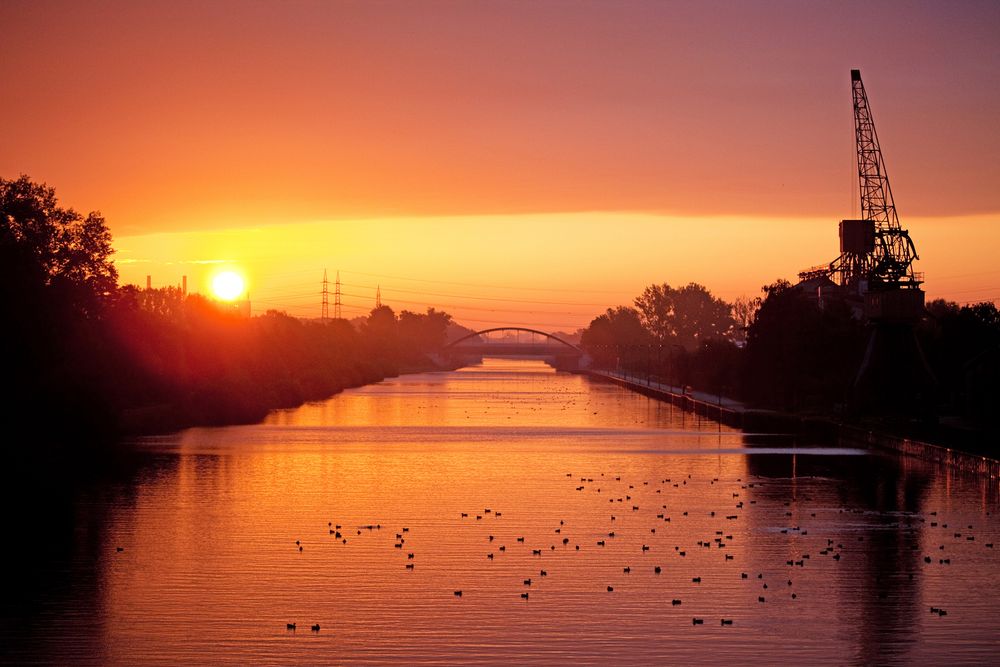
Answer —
(227, 285)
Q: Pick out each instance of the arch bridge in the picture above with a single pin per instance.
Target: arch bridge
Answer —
(512, 343)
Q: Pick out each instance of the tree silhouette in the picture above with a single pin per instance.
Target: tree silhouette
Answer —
(744, 313)
(612, 336)
(56, 277)
(687, 316)
(57, 247)
(798, 355)
(421, 333)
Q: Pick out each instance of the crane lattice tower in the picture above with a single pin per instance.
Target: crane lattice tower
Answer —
(876, 253)
(876, 266)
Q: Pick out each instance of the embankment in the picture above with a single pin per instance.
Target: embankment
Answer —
(231, 404)
(737, 415)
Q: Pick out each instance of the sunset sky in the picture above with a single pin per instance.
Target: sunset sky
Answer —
(511, 162)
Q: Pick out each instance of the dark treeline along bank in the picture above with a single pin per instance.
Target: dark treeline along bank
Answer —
(87, 360)
(787, 350)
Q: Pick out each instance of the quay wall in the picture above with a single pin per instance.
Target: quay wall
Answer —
(821, 430)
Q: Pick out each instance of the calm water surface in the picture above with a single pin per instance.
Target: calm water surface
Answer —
(593, 485)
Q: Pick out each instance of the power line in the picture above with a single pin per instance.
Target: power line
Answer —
(312, 294)
(975, 289)
(503, 287)
(484, 298)
(965, 275)
(555, 326)
(364, 310)
(993, 300)
(476, 308)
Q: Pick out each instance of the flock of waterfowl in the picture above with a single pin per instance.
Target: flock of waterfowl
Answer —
(669, 537)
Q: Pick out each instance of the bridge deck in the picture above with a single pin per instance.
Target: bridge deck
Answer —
(515, 348)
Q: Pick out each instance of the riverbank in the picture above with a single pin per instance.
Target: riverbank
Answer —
(953, 458)
(738, 415)
(224, 410)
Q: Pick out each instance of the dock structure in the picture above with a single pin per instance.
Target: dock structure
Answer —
(753, 421)
(714, 406)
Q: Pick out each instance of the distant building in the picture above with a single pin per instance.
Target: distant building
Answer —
(822, 290)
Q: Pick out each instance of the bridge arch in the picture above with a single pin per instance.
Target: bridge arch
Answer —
(470, 336)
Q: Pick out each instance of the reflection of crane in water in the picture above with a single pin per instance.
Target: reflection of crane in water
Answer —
(875, 270)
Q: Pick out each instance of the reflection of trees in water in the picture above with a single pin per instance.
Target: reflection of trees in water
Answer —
(57, 522)
(878, 620)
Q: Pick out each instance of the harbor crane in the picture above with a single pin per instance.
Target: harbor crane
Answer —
(876, 254)
(875, 272)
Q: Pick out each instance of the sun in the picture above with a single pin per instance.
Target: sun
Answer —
(227, 285)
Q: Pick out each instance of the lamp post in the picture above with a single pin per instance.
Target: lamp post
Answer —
(647, 363)
(670, 372)
(659, 354)
(670, 363)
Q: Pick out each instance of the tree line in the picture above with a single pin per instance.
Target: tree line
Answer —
(87, 359)
(787, 350)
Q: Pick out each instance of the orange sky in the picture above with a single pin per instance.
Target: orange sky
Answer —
(582, 148)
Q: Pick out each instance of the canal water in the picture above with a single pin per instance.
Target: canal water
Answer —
(581, 524)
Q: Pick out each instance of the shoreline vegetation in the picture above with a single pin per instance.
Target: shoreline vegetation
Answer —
(165, 418)
(203, 366)
(811, 430)
(787, 353)
(88, 360)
